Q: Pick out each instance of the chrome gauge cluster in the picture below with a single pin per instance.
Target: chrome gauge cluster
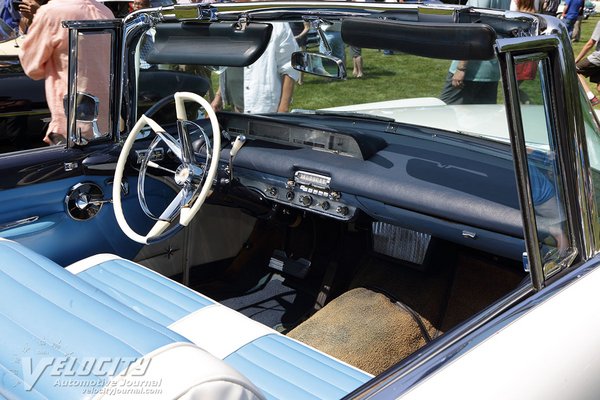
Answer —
(307, 191)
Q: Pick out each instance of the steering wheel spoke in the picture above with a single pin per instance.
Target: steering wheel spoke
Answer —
(195, 182)
(171, 144)
(172, 210)
(187, 151)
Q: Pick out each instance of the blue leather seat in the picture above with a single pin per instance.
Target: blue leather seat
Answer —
(281, 367)
(110, 308)
(62, 338)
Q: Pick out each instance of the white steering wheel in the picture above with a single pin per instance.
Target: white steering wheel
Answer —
(195, 180)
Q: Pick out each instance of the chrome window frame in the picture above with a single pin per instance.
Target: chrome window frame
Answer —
(113, 27)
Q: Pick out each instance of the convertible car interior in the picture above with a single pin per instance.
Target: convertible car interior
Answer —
(320, 253)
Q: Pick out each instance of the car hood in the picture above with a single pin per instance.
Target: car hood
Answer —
(481, 120)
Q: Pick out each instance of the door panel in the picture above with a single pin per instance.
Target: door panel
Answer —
(39, 218)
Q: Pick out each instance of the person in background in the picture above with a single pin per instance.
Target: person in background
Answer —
(27, 10)
(44, 54)
(357, 62)
(333, 35)
(300, 30)
(589, 66)
(140, 4)
(550, 7)
(576, 35)
(571, 13)
(530, 6)
(546, 199)
(265, 86)
(9, 13)
(474, 82)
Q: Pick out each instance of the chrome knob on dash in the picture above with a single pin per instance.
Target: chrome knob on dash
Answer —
(342, 210)
(306, 200)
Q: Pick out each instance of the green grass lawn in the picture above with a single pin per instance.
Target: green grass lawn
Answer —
(384, 79)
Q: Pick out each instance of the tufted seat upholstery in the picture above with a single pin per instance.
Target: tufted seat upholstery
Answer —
(281, 367)
(64, 338)
(106, 307)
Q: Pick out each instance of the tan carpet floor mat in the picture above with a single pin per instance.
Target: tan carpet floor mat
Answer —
(365, 329)
(477, 284)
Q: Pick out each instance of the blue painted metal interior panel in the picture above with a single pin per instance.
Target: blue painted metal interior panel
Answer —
(64, 240)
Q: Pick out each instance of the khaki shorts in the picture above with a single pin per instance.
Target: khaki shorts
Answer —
(589, 70)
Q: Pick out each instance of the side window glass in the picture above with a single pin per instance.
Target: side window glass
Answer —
(93, 83)
(545, 185)
(592, 136)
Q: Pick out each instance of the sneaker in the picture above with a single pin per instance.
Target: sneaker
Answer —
(595, 101)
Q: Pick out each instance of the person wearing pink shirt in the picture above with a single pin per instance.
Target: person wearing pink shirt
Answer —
(44, 54)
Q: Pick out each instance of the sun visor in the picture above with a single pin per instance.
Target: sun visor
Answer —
(209, 44)
(452, 41)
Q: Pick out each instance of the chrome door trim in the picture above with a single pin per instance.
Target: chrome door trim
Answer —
(14, 224)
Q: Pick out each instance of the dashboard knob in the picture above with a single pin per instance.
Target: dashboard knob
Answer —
(289, 195)
(272, 191)
(306, 200)
(325, 205)
(342, 210)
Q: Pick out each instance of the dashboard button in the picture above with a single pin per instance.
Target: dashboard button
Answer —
(289, 195)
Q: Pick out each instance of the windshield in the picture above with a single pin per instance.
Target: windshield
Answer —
(460, 96)
(307, 67)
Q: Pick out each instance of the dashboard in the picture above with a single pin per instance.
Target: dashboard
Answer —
(454, 187)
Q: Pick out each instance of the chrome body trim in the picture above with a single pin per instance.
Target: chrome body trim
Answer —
(567, 133)
(14, 224)
(109, 26)
(135, 26)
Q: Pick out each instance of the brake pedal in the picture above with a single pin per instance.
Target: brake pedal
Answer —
(298, 268)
